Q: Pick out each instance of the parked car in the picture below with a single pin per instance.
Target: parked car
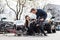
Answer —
(58, 27)
(50, 26)
(20, 24)
(5, 26)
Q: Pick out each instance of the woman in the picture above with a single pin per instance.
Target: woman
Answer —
(27, 18)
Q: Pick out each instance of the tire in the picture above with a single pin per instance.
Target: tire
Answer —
(48, 28)
(54, 31)
(49, 31)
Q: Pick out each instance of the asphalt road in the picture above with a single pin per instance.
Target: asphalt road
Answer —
(52, 36)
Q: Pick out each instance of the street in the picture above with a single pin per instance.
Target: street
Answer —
(52, 36)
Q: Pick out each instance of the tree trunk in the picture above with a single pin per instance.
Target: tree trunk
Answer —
(17, 16)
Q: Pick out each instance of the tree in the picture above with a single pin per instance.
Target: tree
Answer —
(19, 8)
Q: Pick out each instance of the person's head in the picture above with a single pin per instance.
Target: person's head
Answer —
(27, 17)
(33, 11)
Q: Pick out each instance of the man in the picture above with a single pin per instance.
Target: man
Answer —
(41, 15)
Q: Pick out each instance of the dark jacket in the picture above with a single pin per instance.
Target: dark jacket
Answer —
(41, 13)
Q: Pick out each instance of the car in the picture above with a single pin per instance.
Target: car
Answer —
(50, 27)
(5, 25)
(58, 27)
(20, 24)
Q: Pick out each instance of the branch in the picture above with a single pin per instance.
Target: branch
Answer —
(10, 7)
(22, 6)
(21, 9)
(19, 5)
(21, 12)
(25, 2)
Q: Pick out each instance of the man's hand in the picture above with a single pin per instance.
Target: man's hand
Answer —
(42, 19)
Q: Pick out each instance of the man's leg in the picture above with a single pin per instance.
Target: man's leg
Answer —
(42, 30)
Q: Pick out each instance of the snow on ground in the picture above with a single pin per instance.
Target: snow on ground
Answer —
(53, 36)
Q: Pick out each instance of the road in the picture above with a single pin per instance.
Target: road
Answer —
(52, 36)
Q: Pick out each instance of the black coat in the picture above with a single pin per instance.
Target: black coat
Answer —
(41, 13)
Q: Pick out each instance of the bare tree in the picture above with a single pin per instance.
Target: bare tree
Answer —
(19, 8)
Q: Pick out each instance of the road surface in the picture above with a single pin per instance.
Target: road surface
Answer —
(52, 36)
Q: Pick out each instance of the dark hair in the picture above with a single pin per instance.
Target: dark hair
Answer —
(32, 9)
(26, 23)
(26, 16)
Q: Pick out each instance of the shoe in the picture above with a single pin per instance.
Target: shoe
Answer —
(45, 35)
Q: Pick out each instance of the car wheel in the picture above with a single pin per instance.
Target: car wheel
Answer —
(54, 30)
